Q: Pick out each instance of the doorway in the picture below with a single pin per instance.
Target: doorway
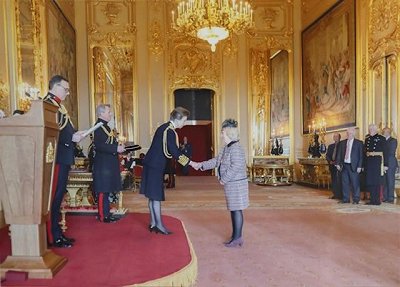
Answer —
(198, 128)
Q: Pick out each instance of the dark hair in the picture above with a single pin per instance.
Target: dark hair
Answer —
(19, 112)
(229, 123)
(56, 80)
(178, 113)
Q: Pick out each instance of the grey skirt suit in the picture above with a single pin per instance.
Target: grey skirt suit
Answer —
(232, 173)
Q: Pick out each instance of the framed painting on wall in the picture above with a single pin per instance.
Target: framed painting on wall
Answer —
(280, 94)
(61, 47)
(328, 70)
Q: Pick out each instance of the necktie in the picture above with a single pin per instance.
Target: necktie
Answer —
(347, 156)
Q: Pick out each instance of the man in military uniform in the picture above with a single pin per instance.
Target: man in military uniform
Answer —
(165, 145)
(373, 165)
(106, 166)
(68, 137)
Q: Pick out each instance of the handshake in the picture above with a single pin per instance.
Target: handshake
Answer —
(195, 165)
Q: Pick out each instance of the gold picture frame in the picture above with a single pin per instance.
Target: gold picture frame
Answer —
(328, 70)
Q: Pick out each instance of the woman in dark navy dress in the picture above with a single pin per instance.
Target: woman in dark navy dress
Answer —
(165, 145)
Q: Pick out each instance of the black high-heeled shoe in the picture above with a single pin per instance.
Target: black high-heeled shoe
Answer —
(158, 230)
(151, 228)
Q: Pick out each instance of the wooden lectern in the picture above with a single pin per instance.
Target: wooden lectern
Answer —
(27, 157)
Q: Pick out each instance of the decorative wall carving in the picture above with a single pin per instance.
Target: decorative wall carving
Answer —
(273, 32)
(4, 98)
(111, 23)
(230, 46)
(384, 27)
(259, 72)
(112, 39)
(156, 42)
(273, 17)
(364, 72)
(29, 45)
(193, 65)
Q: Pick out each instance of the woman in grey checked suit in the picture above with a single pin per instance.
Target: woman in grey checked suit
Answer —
(232, 174)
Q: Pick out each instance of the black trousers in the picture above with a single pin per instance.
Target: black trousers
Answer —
(59, 188)
(388, 191)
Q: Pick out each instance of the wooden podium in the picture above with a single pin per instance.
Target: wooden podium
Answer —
(27, 157)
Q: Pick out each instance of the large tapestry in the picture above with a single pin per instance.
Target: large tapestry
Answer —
(280, 95)
(328, 76)
(62, 54)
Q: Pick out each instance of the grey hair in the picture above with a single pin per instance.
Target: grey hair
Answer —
(101, 108)
(231, 128)
(178, 113)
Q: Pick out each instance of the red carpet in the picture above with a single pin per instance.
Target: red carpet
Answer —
(117, 254)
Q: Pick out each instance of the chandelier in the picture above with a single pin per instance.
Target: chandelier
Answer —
(212, 20)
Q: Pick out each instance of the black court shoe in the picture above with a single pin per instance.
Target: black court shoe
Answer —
(158, 230)
(60, 243)
(67, 239)
(109, 219)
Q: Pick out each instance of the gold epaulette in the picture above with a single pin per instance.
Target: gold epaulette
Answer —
(65, 118)
(165, 140)
(111, 138)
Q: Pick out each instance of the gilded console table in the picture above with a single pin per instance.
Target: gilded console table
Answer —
(314, 171)
(272, 170)
(78, 187)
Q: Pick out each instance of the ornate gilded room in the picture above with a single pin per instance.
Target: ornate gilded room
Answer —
(293, 73)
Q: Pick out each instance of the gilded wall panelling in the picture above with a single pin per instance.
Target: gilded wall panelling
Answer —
(111, 23)
(383, 50)
(29, 46)
(112, 38)
(393, 90)
(5, 99)
(259, 87)
(156, 40)
(384, 29)
(273, 32)
(274, 17)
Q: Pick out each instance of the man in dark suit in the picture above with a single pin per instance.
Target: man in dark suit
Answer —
(331, 157)
(349, 162)
(164, 146)
(373, 166)
(68, 137)
(391, 164)
(106, 167)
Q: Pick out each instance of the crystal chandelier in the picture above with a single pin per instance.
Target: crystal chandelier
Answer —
(212, 20)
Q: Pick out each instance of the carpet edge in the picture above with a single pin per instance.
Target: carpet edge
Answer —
(186, 276)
